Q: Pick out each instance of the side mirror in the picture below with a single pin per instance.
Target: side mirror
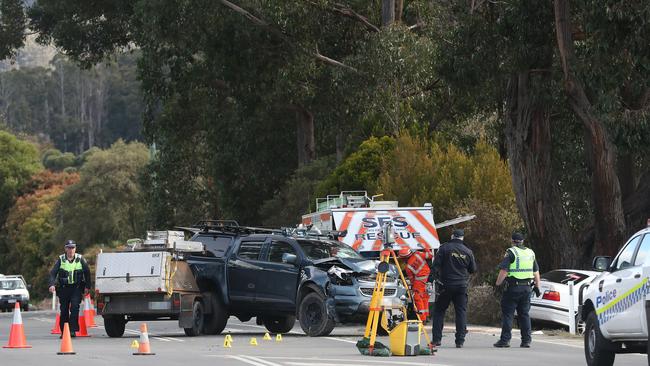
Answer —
(601, 263)
(289, 258)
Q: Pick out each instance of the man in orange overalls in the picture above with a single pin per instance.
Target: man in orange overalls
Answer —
(417, 271)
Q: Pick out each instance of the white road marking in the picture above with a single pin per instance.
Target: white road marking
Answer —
(263, 362)
(250, 362)
(340, 340)
(338, 361)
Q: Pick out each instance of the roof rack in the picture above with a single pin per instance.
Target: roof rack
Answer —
(313, 232)
(232, 226)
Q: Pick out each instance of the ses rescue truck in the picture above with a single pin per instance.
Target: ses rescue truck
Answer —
(361, 219)
(617, 303)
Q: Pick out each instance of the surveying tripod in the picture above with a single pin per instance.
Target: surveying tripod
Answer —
(376, 301)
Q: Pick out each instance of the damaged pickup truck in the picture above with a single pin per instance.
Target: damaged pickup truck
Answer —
(276, 278)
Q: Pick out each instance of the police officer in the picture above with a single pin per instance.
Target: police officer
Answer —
(69, 277)
(517, 271)
(453, 264)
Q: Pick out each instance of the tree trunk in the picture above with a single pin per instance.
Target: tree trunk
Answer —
(399, 10)
(528, 141)
(606, 190)
(305, 136)
(387, 12)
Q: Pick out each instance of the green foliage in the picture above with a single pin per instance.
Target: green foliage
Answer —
(360, 170)
(295, 197)
(12, 31)
(30, 244)
(55, 160)
(419, 171)
(108, 203)
(18, 161)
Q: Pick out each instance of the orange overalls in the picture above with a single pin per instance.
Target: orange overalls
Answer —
(417, 271)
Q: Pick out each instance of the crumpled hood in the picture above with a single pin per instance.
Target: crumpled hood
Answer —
(361, 266)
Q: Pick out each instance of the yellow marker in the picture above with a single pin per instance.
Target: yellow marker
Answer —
(267, 336)
(228, 337)
(253, 341)
(278, 338)
(227, 343)
(135, 344)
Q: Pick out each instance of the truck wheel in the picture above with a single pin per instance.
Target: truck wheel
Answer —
(215, 322)
(597, 348)
(314, 319)
(114, 325)
(197, 320)
(280, 324)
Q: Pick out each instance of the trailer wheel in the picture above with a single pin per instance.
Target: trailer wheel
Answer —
(282, 324)
(314, 318)
(197, 320)
(114, 325)
(215, 322)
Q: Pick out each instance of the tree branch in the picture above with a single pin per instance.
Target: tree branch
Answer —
(262, 23)
(346, 11)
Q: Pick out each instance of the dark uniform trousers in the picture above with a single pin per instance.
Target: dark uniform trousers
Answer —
(70, 298)
(457, 295)
(517, 297)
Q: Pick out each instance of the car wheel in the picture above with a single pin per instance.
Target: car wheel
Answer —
(597, 349)
(216, 322)
(26, 307)
(197, 320)
(114, 325)
(314, 318)
(281, 324)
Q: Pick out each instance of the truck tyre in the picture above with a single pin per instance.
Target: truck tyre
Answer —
(281, 324)
(215, 322)
(197, 320)
(314, 318)
(597, 348)
(114, 325)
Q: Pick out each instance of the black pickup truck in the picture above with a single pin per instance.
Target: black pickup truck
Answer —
(277, 278)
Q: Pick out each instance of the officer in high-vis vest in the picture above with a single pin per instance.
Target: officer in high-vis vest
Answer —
(517, 272)
(69, 277)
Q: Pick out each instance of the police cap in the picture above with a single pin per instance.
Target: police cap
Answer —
(517, 237)
(458, 233)
(70, 244)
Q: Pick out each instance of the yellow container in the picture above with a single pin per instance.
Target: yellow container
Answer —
(405, 338)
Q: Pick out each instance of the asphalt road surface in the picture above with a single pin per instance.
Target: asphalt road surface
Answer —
(172, 347)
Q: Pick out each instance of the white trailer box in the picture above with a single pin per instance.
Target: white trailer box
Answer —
(126, 272)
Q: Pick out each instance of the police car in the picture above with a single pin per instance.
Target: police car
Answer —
(617, 303)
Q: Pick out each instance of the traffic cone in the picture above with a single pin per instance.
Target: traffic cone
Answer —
(17, 334)
(83, 330)
(278, 337)
(144, 349)
(88, 313)
(253, 341)
(56, 329)
(66, 342)
(267, 336)
(93, 309)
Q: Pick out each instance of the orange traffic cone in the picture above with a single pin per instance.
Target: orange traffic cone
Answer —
(88, 314)
(17, 334)
(83, 330)
(56, 329)
(93, 310)
(144, 348)
(66, 342)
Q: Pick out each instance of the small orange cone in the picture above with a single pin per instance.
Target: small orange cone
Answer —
(83, 330)
(88, 313)
(56, 329)
(144, 348)
(17, 334)
(66, 342)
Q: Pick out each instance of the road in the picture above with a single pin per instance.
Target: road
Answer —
(172, 347)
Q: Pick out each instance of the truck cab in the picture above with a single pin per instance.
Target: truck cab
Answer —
(617, 303)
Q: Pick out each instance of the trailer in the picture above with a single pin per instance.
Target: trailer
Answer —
(150, 281)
